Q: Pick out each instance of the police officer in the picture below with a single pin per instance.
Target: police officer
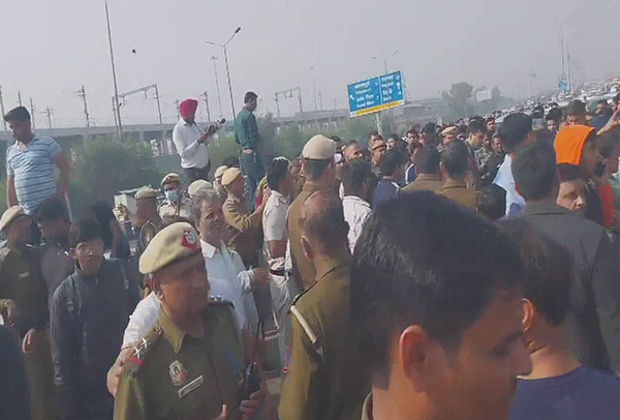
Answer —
(199, 185)
(23, 304)
(322, 379)
(175, 204)
(190, 365)
(241, 225)
(319, 171)
(147, 221)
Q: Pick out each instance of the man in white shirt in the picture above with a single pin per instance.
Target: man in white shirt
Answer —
(356, 177)
(191, 142)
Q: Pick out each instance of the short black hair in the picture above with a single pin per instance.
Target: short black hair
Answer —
(490, 119)
(576, 107)
(476, 126)
(534, 170)
(548, 268)
(429, 128)
(427, 160)
(423, 260)
(336, 139)
(555, 114)
(569, 172)
(606, 143)
(249, 96)
(354, 174)
(313, 168)
(350, 143)
(83, 231)
(491, 202)
(51, 209)
(19, 114)
(276, 172)
(514, 131)
(392, 159)
(412, 131)
(325, 224)
(231, 161)
(454, 158)
(395, 137)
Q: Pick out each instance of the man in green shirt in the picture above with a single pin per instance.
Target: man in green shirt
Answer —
(248, 139)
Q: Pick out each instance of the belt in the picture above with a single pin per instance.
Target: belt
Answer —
(278, 272)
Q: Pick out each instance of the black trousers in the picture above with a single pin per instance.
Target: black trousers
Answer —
(198, 173)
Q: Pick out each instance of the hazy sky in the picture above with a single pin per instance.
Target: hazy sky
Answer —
(50, 48)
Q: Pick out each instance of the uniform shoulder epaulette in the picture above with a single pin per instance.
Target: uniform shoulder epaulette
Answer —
(305, 325)
(219, 301)
(139, 352)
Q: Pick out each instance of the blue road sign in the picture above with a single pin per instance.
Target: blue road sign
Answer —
(376, 94)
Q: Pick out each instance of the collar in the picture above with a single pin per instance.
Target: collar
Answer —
(19, 251)
(367, 408)
(279, 196)
(545, 207)
(175, 335)
(324, 267)
(429, 177)
(454, 183)
(357, 200)
(185, 123)
(209, 250)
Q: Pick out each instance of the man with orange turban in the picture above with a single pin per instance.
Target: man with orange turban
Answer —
(576, 145)
(191, 142)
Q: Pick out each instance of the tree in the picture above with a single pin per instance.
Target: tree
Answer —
(105, 166)
(457, 100)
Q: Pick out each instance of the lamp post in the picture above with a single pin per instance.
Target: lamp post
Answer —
(116, 107)
(224, 47)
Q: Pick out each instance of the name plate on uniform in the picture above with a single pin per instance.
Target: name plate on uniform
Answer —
(190, 386)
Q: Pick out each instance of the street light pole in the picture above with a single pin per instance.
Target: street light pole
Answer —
(117, 108)
(225, 49)
(217, 85)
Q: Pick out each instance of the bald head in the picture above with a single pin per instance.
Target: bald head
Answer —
(322, 222)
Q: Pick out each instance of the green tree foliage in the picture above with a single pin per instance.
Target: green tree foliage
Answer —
(458, 100)
(104, 167)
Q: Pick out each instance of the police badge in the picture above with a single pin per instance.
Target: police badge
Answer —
(178, 374)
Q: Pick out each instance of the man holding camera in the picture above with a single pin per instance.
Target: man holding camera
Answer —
(191, 142)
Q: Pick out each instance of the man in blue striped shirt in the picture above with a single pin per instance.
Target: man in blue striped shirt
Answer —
(30, 164)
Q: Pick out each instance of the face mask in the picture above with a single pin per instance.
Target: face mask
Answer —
(172, 195)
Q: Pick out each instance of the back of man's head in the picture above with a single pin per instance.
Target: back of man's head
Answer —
(514, 131)
(249, 96)
(576, 108)
(454, 158)
(276, 172)
(323, 223)
(475, 127)
(19, 114)
(491, 202)
(392, 160)
(51, 209)
(534, 171)
(547, 269)
(427, 161)
(354, 174)
(421, 260)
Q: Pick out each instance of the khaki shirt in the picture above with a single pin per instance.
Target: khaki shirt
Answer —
(21, 281)
(302, 266)
(323, 379)
(427, 182)
(171, 209)
(177, 376)
(457, 190)
(242, 227)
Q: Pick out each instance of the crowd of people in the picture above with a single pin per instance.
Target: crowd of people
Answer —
(466, 271)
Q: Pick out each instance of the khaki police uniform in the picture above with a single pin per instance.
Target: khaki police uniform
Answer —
(457, 191)
(182, 208)
(21, 281)
(242, 225)
(323, 379)
(318, 148)
(172, 375)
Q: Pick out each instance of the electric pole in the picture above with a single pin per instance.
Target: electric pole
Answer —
(2, 108)
(205, 95)
(117, 107)
(177, 103)
(289, 94)
(82, 93)
(32, 114)
(217, 85)
(48, 111)
(19, 98)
